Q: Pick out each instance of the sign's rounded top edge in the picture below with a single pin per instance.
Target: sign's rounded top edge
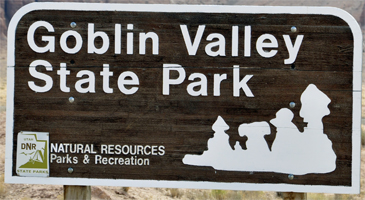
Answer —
(190, 8)
(84, 6)
(179, 8)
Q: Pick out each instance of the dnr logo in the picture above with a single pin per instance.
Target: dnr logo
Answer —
(32, 154)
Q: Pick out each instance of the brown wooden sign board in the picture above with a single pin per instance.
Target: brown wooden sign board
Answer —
(227, 97)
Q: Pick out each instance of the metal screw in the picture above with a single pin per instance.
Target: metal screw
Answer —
(291, 176)
(70, 170)
(293, 29)
(292, 104)
(71, 99)
(73, 24)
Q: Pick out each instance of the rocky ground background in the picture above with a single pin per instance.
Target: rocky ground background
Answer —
(25, 191)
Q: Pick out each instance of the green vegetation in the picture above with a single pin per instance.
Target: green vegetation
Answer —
(198, 194)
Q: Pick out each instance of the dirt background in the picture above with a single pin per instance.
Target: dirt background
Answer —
(26, 191)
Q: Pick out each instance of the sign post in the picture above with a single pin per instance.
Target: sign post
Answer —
(76, 192)
(216, 97)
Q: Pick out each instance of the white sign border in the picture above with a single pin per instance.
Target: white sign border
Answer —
(356, 127)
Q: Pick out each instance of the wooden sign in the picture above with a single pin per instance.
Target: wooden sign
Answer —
(219, 97)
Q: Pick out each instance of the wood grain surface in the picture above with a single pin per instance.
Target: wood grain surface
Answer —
(180, 122)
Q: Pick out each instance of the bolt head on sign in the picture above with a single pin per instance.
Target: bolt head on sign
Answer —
(184, 96)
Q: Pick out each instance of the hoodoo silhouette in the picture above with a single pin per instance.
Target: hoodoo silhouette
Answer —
(292, 151)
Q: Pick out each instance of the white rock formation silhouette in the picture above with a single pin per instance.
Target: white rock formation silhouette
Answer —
(292, 152)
